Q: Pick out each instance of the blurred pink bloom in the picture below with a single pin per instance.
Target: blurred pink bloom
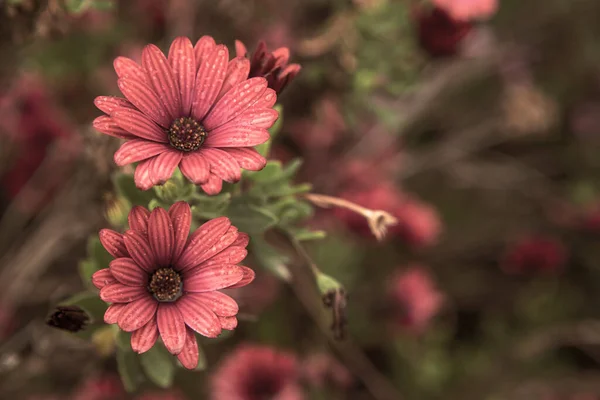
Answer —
(104, 387)
(257, 372)
(253, 299)
(418, 223)
(274, 66)
(415, 295)
(195, 110)
(164, 283)
(322, 370)
(321, 130)
(439, 34)
(37, 132)
(467, 10)
(535, 254)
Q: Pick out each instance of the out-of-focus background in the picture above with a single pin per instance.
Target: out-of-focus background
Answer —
(480, 134)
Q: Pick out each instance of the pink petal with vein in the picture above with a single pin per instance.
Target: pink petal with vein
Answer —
(164, 165)
(181, 217)
(209, 81)
(183, 63)
(266, 100)
(113, 243)
(222, 164)
(261, 117)
(159, 73)
(198, 316)
(138, 125)
(221, 304)
(206, 236)
(138, 150)
(127, 68)
(237, 71)
(119, 293)
(142, 175)
(204, 46)
(248, 277)
(112, 313)
(190, 354)
(138, 219)
(137, 314)
(195, 168)
(247, 158)
(140, 250)
(109, 127)
(127, 272)
(161, 236)
(145, 99)
(237, 135)
(103, 278)
(171, 327)
(242, 240)
(231, 255)
(213, 278)
(229, 323)
(144, 338)
(108, 104)
(240, 49)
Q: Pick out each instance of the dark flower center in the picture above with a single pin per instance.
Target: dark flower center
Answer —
(186, 134)
(165, 284)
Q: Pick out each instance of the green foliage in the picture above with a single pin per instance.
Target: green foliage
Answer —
(125, 186)
(158, 365)
(128, 365)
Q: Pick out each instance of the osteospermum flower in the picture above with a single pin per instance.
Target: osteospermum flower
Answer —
(194, 109)
(257, 372)
(274, 66)
(162, 283)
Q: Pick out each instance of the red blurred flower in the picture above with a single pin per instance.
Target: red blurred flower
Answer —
(162, 283)
(467, 10)
(323, 129)
(195, 109)
(34, 132)
(104, 387)
(414, 294)
(274, 66)
(438, 33)
(535, 254)
(323, 370)
(418, 223)
(257, 372)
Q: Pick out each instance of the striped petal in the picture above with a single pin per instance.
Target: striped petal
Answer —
(127, 68)
(247, 158)
(183, 63)
(145, 99)
(138, 125)
(213, 278)
(204, 46)
(119, 293)
(103, 278)
(235, 101)
(144, 338)
(113, 243)
(138, 150)
(164, 165)
(213, 185)
(237, 71)
(142, 175)
(209, 81)
(181, 217)
(127, 272)
(108, 104)
(266, 100)
(237, 135)
(198, 316)
(159, 73)
(222, 164)
(171, 327)
(247, 278)
(189, 356)
(137, 314)
(221, 304)
(195, 168)
(138, 219)
(111, 316)
(231, 255)
(161, 236)
(140, 250)
(201, 241)
(242, 240)
(240, 49)
(106, 125)
(229, 323)
(261, 117)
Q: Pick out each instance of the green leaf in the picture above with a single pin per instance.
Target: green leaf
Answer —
(269, 257)
(129, 369)
(90, 303)
(126, 188)
(250, 218)
(98, 253)
(303, 234)
(158, 366)
(123, 339)
(271, 172)
(86, 270)
(77, 6)
(207, 207)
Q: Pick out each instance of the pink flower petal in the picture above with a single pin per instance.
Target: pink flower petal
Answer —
(102, 278)
(112, 313)
(238, 99)
(205, 237)
(222, 243)
(164, 165)
(237, 135)
(260, 117)
(240, 49)
(189, 356)
(106, 125)
(282, 55)
(198, 316)
(138, 150)
(138, 125)
(222, 165)
(221, 304)
(183, 62)
(195, 168)
(138, 219)
(113, 243)
(137, 313)
(231, 255)
(242, 240)
(237, 71)
(127, 68)
(213, 185)
(142, 175)
(204, 46)
(159, 73)
(140, 250)
(229, 323)
(171, 327)
(181, 217)
(248, 277)
(144, 338)
(119, 293)
(127, 272)
(145, 99)
(247, 158)
(266, 100)
(213, 278)
(108, 104)
(161, 236)
(209, 81)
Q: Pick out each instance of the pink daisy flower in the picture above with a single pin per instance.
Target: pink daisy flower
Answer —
(194, 109)
(467, 10)
(274, 66)
(257, 372)
(162, 283)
